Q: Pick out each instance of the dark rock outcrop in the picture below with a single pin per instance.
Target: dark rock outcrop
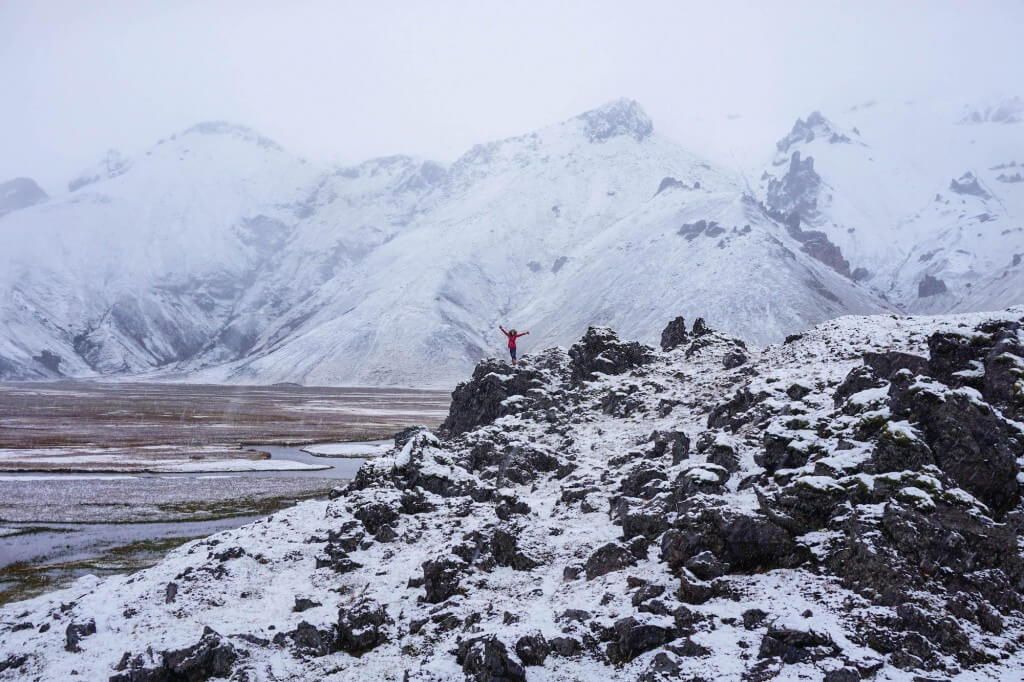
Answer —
(601, 351)
(485, 659)
(209, 658)
(674, 334)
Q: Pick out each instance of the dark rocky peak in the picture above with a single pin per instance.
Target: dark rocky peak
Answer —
(796, 191)
(1009, 110)
(20, 193)
(233, 130)
(816, 126)
(620, 117)
(113, 164)
(968, 184)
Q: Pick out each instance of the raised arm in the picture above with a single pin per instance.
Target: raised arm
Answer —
(502, 330)
(523, 334)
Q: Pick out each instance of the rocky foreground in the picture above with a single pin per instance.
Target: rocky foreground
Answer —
(843, 506)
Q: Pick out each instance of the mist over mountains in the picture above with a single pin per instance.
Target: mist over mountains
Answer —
(218, 256)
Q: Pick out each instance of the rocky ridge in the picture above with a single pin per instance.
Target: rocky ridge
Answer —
(843, 506)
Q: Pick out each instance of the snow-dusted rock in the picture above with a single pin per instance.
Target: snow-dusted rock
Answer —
(809, 534)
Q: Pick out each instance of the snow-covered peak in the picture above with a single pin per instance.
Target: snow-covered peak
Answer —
(815, 127)
(618, 117)
(234, 130)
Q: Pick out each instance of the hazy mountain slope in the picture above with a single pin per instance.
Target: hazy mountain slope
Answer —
(923, 196)
(546, 232)
(142, 267)
(217, 256)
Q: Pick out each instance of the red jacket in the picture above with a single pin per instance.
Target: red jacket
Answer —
(512, 337)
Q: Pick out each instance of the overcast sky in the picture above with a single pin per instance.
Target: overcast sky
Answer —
(344, 81)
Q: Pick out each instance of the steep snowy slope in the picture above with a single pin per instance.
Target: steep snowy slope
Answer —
(845, 506)
(597, 219)
(924, 198)
(217, 256)
(140, 264)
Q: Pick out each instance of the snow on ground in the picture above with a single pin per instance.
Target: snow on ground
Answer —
(458, 493)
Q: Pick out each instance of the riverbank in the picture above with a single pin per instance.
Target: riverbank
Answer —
(106, 478)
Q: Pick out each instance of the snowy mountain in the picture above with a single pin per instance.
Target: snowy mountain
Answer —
(925, 201)
(218, 256)
(844, 506)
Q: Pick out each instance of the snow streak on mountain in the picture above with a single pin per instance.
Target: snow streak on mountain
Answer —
(218, 256)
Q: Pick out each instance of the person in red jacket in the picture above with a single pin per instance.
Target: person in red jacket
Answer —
(512, 336)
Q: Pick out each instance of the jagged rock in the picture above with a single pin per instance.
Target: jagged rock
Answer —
(746, 543)
(601, 351)
(845, 674)
(676, 442)
(310, 640)
(884, 365)
(733, 413)
(797, 392)
(970, 443)
(733, 359)
(210, 657)
(532, 649)
(857, 380)
(752, 618)
(505, 550)
(335, 557)
(485, 659)
(637, 482)
(170, 592)
(700, 328)
(895, 451)
(566, 647)
(482, 399)
(13, 662)
(441, 579)
(968, 184)
(706, 566)
(362, 627)
(608, 558)
(304, 604)
(780, 453)
(76, 632)
(633, 638)
(796, 646)
(376, 515)
(674, 334)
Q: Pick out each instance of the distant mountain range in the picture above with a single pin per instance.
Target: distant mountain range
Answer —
(218, 256)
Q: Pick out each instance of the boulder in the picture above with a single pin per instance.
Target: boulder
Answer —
(796, 646)
(211, 657)
(76, 632)
(485, 659)
(362, 627)
(608, 558)
(601, 352)
(441, 579)
(532, 649)
(978, 449)
(674, 334)
(633, 638)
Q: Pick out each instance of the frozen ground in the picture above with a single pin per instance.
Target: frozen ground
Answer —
(566, 518)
